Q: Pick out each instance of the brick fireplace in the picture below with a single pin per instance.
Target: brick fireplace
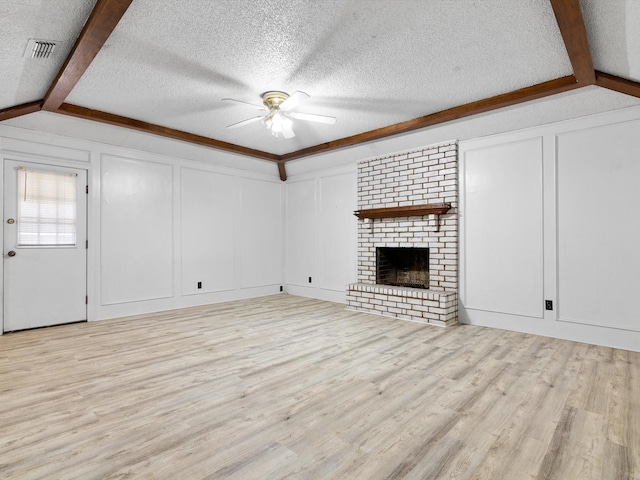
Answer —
(417, 178)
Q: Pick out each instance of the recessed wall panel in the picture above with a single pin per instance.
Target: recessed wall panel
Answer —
(502, 217)
(300, 232)
(136, 230)
(598, 227)
(260, 233)
(207, 231)
(337, 227)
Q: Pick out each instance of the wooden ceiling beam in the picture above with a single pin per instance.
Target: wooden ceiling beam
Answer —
(103, 20)
(119, 121)
(19, 110)
(569, 17)
(282, 171)
(107, 13)
(618, 84)
(481, 106)
(522, 95)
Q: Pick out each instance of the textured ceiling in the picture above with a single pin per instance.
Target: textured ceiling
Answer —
(25, 80)
(370, 63)
(613, 30)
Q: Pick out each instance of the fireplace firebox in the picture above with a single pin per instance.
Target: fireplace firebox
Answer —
(403, 267)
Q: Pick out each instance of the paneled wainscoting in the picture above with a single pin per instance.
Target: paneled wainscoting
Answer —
(289, 387)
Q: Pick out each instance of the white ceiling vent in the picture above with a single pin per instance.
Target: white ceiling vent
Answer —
(40, 48)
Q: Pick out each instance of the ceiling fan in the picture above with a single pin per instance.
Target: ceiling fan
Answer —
(279, 107)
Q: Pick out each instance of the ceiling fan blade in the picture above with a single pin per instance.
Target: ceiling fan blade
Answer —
(246, 122)
(313, 118)
(259, 107)
(287, 131)
(295, 99)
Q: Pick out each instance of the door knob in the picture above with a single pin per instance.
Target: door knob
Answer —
(11, 221)
(11, 253)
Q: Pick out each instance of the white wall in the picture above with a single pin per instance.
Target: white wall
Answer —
(503, 211)
(160, 224)
(547, 213)
(321, 233)
(574, 182)
(136, 230)
(598, 184)
(550, 213)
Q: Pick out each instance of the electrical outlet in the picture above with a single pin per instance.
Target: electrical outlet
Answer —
(281, 288)
(548, 304)
(199, 284)
(309, 279)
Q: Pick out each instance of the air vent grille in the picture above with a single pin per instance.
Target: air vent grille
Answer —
(40, 48)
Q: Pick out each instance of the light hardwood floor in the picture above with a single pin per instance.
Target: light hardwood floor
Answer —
(286, 387)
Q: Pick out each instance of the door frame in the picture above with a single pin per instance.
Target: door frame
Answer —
(44, 162)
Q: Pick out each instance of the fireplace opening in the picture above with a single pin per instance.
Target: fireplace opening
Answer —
(402, 267)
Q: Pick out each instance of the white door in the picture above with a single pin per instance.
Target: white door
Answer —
(44, 254)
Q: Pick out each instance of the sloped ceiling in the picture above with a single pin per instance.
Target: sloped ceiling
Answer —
(380, 67)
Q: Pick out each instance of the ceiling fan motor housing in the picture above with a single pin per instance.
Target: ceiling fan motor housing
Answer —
(274, 99)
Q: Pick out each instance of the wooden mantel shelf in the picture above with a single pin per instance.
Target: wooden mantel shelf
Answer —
(407, 211)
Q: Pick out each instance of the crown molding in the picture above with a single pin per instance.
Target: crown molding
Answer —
(618, 84)
(19, 110)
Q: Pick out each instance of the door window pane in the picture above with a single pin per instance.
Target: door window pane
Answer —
(46, 208)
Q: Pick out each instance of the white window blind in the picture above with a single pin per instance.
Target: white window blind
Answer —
(46, 208)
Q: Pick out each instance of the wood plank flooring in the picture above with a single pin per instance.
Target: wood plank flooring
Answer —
(285, 387)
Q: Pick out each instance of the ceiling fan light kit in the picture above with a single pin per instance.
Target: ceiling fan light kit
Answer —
(276, 121)
(279, 106)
